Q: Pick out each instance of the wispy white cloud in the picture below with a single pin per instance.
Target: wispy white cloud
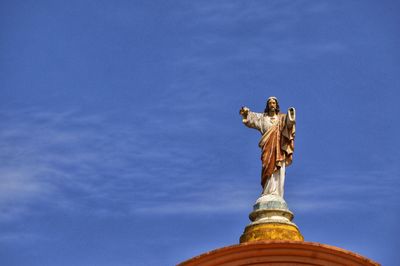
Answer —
(20, 237)
(36, 152)
(345, 191)
(256, 32)
(219, 198)
(77, 162)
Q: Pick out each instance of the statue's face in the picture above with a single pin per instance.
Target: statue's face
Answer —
(272, 105)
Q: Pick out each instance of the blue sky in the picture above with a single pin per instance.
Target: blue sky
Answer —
(121, 142)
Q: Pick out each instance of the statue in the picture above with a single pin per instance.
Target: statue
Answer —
(271, 218)
(277, 143)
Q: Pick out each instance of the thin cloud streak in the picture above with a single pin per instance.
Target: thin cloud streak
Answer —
(20, 238)
(49, 161)
(345, 191)
(270, 45)
(219, 198)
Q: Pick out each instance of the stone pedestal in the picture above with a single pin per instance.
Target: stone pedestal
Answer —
(271, 220)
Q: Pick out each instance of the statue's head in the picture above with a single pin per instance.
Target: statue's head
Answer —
(272, 104)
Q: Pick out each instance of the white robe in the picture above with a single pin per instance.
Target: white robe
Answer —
(275, 183)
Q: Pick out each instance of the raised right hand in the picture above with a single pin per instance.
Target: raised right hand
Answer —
(244, 111)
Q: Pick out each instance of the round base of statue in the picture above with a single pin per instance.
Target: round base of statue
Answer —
(271, 220)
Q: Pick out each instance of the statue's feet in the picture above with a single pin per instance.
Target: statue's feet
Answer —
(269, 197)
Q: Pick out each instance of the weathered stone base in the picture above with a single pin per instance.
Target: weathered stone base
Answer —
(271, 231)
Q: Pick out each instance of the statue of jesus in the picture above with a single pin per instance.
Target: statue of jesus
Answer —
(277, 143)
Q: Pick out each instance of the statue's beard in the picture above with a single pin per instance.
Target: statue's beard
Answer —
(272, 109)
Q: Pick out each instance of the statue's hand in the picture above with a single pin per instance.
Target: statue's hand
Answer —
(292, 113)
(244, 111)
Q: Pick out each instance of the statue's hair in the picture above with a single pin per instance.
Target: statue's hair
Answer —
(277, 110)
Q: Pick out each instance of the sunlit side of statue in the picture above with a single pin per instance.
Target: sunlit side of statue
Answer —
(276, 143)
